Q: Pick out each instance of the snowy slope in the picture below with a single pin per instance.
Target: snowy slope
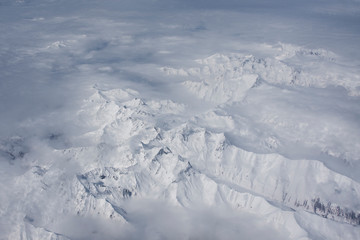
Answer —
(178, 120)
(132, 155)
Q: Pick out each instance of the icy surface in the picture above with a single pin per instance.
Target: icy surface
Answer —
(179, 120)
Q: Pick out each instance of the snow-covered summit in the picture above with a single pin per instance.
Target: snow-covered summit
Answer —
(179, 120)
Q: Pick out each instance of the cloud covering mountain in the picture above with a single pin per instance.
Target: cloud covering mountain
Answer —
(179, 119)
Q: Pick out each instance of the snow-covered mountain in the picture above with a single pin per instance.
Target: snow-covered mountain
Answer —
(163, 120)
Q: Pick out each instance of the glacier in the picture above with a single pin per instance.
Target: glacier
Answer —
(179, 120)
